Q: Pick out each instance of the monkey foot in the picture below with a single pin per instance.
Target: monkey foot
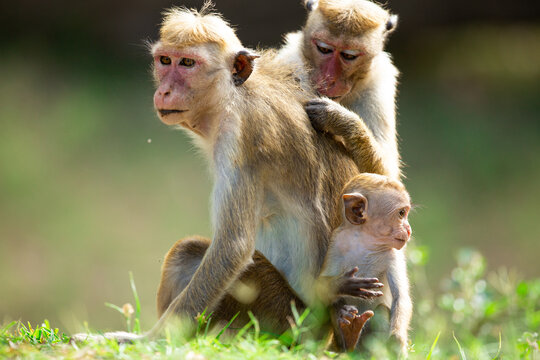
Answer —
(351, 324)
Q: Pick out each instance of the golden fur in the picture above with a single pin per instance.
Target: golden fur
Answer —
(367, 182)
(190, 27)
(352, 16)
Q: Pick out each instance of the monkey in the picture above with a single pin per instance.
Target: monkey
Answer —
(369, 241)
(339, 54)
(276, 179)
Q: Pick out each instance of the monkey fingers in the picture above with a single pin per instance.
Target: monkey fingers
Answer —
(351, 325)
(318, 111)
(346, 314)
(353, 286)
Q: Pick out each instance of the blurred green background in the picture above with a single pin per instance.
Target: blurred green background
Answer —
(92, 185)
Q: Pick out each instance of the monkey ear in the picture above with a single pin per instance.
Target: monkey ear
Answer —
(391, 24)
(311, 5)
(355, 208)
(243, 66)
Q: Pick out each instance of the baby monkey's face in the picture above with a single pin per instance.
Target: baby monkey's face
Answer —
(381, 217)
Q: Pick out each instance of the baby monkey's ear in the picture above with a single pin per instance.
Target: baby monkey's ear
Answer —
(355, 208)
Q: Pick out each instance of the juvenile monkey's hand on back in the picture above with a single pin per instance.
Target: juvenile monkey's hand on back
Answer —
(348, 284)
(322, 112)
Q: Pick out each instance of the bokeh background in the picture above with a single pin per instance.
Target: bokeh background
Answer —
(93, 186)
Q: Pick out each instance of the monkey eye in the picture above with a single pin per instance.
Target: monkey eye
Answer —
(402, 213)
(187, 62)
(350, 54)
(324, 48)
(165, 60)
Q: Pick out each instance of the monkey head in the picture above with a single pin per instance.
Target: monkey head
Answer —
(341, 38)
(378, 207)
(197, 58)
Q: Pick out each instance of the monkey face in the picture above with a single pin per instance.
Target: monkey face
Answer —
(340, 52)
(335, 60)
(383, 218)
(182, 76)
(393, 228)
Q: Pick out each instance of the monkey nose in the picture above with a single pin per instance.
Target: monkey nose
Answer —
(409, 230)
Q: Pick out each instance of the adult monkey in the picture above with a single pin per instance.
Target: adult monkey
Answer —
(277, 181)
(339, 53)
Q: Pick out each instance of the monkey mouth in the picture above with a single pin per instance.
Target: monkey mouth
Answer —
(401, 240)
(164, 112)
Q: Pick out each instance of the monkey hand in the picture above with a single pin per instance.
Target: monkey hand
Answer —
(353, 286)
(320, 111)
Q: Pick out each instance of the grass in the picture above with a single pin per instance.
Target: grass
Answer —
(479, 316)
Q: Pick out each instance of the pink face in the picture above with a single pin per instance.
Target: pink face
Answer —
(401, 231)
(383, 219)
(334, 62)
(175, 73)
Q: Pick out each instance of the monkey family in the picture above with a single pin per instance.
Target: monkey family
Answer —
(294, 213)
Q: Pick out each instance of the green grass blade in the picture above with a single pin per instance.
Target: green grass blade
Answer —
(115, 307)
(500, 346)
(428, 357)
(255, 324)
(137, 324)
(6, 328)
(461, 352)
(243, 330)
(227, 326)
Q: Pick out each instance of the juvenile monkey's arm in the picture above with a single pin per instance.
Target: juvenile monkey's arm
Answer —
(401, 311)
(328, 116)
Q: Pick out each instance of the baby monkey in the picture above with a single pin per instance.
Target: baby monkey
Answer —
(374, 230)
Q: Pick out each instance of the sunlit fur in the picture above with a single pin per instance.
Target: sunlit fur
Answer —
(352, 16)
(352, 246)
(187, 27)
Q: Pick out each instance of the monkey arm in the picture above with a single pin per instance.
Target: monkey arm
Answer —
(236, 203)
(328, 116)
(401, 311)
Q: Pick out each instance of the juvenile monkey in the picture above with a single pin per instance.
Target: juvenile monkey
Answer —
(370, 241)
(339, 53)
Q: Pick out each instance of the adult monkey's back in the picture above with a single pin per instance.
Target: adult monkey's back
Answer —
(276, 180)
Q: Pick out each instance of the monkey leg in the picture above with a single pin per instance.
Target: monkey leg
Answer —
(260, 288)
(181, 262)
(349, 327)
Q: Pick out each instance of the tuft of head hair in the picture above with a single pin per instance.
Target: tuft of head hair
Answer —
(370, 183)
(187, 27)
(353, 16)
